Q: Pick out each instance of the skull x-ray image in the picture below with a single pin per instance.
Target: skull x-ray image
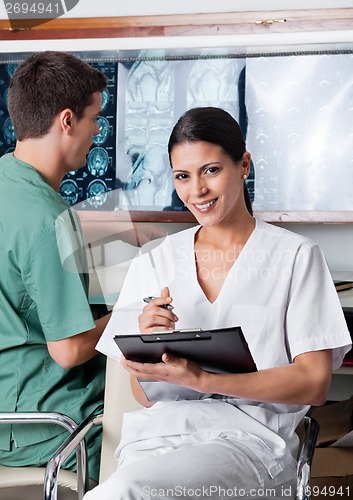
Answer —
(98, 161)
(70, 191)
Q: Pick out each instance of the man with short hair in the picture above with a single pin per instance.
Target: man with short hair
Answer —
(48, 360)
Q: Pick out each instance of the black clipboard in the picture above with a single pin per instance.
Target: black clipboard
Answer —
(222, 350)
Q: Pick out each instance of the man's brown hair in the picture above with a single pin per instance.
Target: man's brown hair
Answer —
(46, 83)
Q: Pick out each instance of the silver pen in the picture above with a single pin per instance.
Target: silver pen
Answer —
(164, 306)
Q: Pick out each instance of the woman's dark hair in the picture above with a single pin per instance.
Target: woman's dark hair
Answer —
(46, 83)
(211, 125)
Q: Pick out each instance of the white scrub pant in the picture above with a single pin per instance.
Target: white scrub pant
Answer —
(218, 468)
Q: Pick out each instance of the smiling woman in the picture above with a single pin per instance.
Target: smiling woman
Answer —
(209, 166)
(233, 430)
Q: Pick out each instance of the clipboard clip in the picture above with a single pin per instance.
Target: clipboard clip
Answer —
(182, 330)
(175, 336)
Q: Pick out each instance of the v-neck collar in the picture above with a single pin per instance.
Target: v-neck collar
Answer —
(235, 264)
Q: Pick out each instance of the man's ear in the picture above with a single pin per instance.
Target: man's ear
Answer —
(66, 119)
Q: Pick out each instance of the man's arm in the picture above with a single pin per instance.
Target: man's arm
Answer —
(79, 348)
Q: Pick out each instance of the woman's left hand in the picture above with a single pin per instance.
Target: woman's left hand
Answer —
(174, 370)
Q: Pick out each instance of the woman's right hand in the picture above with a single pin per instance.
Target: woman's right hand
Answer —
(154, 317)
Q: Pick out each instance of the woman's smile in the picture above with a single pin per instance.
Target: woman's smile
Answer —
(205, 206)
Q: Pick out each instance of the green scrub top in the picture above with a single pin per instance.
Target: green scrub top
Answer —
(41, 299)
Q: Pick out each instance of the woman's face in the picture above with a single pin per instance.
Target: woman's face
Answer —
(209, 182)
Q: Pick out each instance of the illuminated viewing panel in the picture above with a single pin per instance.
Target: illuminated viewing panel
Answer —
(294, 107)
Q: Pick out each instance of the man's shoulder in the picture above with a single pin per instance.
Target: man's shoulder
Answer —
(26, 188)
(28, 202)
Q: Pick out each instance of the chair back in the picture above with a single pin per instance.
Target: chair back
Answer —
(118, 400)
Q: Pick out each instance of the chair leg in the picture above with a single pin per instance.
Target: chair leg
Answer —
(53, 469)
(305, 459)
(76, 441)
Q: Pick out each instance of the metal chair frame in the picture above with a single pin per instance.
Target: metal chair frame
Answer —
(306, 452)
(70, 425)
(72, 442)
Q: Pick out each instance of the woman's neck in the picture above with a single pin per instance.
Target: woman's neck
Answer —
(224, 236)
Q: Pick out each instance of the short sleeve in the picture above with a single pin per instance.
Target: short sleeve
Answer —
(315, 320)
(59, 292)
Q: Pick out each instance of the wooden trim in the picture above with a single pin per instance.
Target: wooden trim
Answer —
(275, 217)
(201, 24)
(136, 216)
(307, 217)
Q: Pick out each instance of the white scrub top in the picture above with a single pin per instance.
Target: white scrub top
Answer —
(279, 290)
